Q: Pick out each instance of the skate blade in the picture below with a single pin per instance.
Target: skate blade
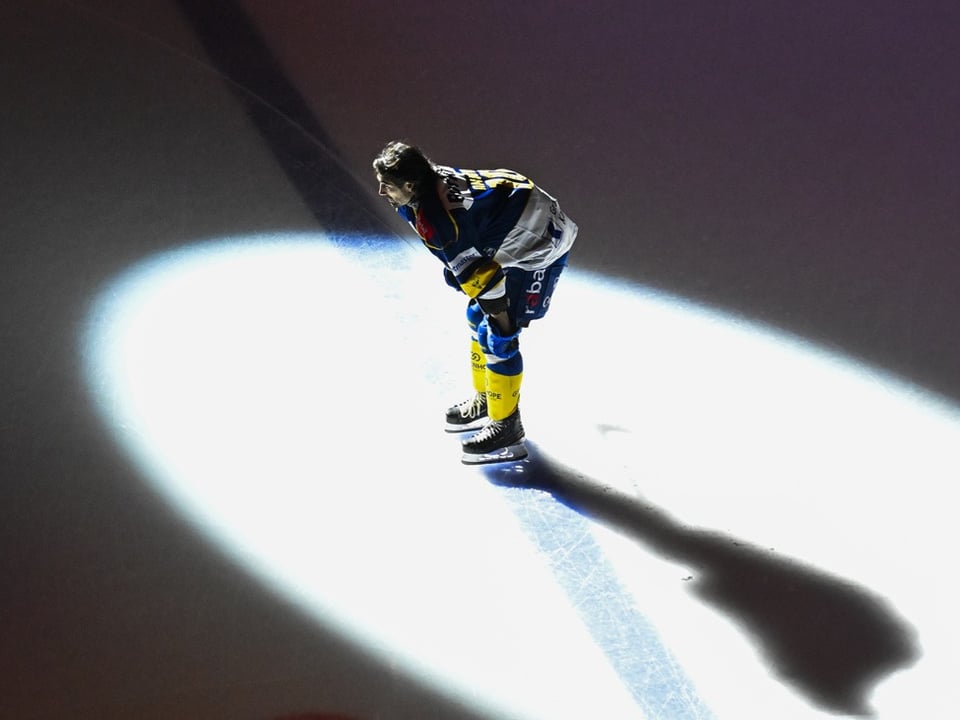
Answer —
(507, 454)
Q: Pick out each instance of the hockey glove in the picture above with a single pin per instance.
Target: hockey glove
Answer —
(491, 341)
(450, 279)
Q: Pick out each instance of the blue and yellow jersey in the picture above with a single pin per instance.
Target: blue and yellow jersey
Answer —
(480, 221)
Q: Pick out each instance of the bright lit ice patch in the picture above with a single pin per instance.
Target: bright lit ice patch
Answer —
(284, 392)
(276, 390)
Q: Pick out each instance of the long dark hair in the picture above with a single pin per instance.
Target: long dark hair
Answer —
(399, 163)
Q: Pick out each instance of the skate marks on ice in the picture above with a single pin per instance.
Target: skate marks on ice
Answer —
(826, 637)
(631, 643)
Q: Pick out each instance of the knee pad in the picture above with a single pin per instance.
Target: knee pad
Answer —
(474, 315)
(497, 347)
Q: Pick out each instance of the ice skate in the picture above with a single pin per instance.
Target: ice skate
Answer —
(469, 415)
(498, 441)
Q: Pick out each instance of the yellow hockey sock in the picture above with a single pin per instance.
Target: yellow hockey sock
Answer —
(503, 394)
(478, 366)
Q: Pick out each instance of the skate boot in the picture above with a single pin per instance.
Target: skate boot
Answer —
(469, 415)
(498, 441)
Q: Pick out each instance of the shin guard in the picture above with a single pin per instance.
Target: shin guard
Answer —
(503, 390)
(478, 361)
(478, 367)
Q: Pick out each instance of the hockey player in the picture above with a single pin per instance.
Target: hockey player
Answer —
(503, 242)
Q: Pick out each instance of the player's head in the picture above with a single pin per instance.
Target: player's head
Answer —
(402, 171)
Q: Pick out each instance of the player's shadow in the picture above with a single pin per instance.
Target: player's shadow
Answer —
(827, 637)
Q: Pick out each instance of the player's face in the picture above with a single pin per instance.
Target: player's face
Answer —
(397, 195)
